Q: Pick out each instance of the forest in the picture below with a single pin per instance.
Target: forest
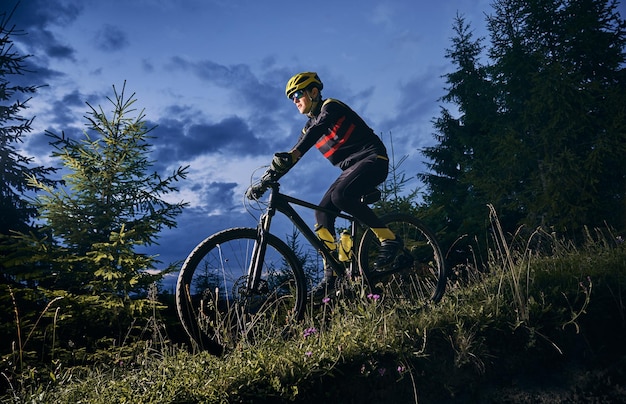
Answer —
(531, 135)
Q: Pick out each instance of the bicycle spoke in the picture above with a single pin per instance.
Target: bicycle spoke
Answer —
(418, 273)
(215, 305)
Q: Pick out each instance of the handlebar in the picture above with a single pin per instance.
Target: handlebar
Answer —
(257, 190)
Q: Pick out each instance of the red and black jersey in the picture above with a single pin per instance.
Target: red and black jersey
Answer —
(340, 135)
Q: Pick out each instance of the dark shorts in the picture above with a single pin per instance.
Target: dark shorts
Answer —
(345, 193)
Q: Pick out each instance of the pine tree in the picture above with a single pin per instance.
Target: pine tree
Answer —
(463, 148)
(559, 72)
(108, 206)
(16, 213)
(110, 203)
(540, 132)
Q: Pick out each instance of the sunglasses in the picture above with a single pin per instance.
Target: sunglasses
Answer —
(297, 95)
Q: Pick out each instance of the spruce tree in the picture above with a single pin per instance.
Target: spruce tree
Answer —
(540, 131)
(108, 206)
(110, 203)
(16, 212)
(559, 72)
(463, 147)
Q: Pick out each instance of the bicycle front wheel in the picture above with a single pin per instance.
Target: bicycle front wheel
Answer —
(420, 276)
(213, 300)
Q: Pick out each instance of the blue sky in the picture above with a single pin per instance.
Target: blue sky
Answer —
(211, 75)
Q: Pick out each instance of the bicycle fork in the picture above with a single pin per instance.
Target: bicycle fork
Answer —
(258, 254)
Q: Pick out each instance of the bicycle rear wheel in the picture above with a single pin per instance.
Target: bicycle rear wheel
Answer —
(421, 273)
(214, 305)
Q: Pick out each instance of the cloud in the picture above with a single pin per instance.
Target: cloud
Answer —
(69, 109)
(236, 76)
(246, 88)
(43, 42)
(35, 17)
(147, 66)
(35, 74)
(179, 140)
(218, 196)
(73, 99)
(111, 38)
(40, 13)
(31, 22)
(58, 114)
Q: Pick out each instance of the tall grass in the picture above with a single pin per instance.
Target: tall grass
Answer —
(532, 305)
(18, 351)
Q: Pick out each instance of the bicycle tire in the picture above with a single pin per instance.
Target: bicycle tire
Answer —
(213, 308)
(420, 281)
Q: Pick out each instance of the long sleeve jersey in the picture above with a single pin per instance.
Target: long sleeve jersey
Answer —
(340, 135)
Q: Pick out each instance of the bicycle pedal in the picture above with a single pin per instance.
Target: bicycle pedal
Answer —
(400, 262)
(385, 271)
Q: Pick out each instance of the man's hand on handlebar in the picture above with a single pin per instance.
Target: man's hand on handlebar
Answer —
(257, 190)
(281, 163)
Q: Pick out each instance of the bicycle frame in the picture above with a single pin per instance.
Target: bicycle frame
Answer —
(283, 204)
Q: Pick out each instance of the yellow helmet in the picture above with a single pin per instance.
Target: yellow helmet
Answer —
(303, 81)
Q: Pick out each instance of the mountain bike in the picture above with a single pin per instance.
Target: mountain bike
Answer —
(239, 281)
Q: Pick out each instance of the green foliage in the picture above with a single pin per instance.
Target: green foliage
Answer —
(17, 212)
(540, 130)
(454, 205)
(559, 68)
(109, 206)
(84, 260)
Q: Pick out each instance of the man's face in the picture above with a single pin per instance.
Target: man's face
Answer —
(303, 102)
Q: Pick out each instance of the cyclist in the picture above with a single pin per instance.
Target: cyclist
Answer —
(350, 144)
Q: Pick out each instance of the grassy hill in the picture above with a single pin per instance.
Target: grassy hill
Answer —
(545, 323)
